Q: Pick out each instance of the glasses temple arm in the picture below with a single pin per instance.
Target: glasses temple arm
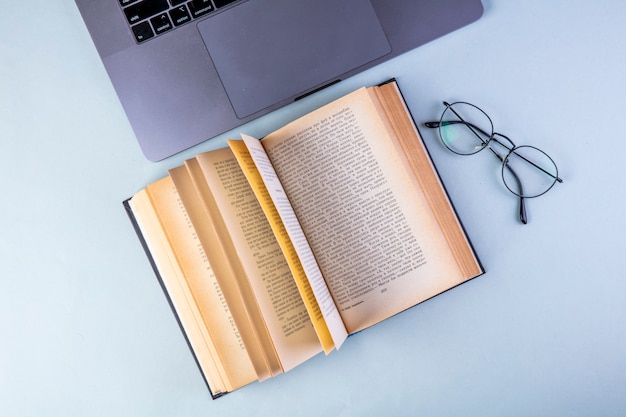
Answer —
(522, 204)
(434, 125)
(523, 216)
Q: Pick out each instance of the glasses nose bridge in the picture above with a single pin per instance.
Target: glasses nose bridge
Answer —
(510, 145)
(501, 151)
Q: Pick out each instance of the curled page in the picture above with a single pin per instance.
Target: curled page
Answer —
(312, 271)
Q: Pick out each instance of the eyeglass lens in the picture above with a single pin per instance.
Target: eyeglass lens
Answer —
(536, 172)
(465, 129)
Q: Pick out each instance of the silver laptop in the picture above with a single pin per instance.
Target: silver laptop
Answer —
(187, 70)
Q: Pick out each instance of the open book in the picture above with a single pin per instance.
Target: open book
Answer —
(273, 251)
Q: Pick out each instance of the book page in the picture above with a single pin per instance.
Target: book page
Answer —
(244, 158)
(374, 236)
(297, 241)
(265, 266)
(192, 288)
(410, 144)
(199, 205)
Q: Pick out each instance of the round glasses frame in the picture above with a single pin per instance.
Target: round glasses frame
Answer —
(476, 138)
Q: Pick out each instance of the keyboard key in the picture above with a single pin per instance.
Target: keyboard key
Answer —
(143, 31)
(137, 12)
(161, 23)
(200, 7)
(180, 15)
(222, 3)
(149, 18)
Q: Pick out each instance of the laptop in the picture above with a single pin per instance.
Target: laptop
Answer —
(188, 70)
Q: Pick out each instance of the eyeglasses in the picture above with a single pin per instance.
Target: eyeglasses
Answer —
(527, 171)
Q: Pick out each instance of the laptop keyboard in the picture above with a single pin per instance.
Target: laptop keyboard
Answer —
(150, 18)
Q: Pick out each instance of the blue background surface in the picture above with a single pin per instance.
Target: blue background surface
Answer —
(85, 329)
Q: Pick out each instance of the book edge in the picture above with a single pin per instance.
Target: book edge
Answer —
(144, 245)
(443, 185)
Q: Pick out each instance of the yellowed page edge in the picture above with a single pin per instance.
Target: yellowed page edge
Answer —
(206, 229)
(202, 289)
(297, 236)
(256, 181)
(265, 272)
(410, 141)
(171, 276)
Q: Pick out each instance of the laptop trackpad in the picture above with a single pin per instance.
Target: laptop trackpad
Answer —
(268, 51)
